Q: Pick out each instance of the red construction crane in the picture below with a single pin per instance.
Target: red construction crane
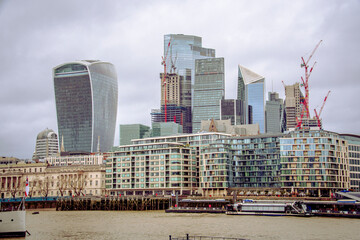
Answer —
(305, 84)
(173, 64)
(318, 115)
(163, 62)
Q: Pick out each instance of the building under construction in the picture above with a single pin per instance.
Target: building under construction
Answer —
(297, 104)
(175, 101)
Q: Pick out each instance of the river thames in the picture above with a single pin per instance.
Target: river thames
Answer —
(51, 224)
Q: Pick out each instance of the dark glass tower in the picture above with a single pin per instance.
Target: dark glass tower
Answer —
(86, 95)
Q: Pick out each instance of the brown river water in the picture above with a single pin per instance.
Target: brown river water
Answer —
(159, 225)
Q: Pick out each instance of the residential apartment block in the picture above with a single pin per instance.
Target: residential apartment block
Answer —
(314, 162)
(354, 160)
(154, 168)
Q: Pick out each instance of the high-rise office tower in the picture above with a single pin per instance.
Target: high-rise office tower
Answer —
(293, 106)
(46, 144)
(251, 90)
(178, 101)
(183, 51)
(274, 113)
(209, 89)
(231, 109)
(86, 94)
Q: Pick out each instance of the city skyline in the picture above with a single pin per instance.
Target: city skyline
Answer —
(116, 34)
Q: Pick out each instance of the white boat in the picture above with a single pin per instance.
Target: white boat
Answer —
(12, 223)
(267, 208)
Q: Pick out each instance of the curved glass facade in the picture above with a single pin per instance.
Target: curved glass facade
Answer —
(186, 49)
(86, 96)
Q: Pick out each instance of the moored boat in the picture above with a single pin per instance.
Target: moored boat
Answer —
(248, 207)
(12, 223)
(12, 220)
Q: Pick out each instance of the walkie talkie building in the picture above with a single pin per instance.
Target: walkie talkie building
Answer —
(86, 95)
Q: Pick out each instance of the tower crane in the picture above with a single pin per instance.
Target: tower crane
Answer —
(305, 84)
(163, 62)
(318, 115)
(173, 63)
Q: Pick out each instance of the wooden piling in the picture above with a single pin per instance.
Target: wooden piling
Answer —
(113, 203)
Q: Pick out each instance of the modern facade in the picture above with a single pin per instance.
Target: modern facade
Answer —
(132, 131)
(209, 90)
(354, 160)
(155, 147)
(183, 51)
(274, 114)
(232, 109)
(46, 144)
(177, 92)
(251, 90)
(314, 162)
(149, 169)
(256, 161)
(86, 94)
(160, 129)
(240, 164)
(293, 105)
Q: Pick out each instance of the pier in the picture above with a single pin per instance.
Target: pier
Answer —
(129, 203)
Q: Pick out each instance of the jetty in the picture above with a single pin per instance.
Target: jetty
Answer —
(124, 203)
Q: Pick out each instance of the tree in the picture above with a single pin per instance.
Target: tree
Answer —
(77, 183)
(62, 184)
(16, 186)
(44, 186)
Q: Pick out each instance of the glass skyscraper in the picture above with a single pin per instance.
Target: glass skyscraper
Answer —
(251, 90)
(86, 95)
(209, 90)
(274, 113)
(185, 49)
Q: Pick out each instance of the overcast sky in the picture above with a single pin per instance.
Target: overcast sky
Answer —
(268, 37)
